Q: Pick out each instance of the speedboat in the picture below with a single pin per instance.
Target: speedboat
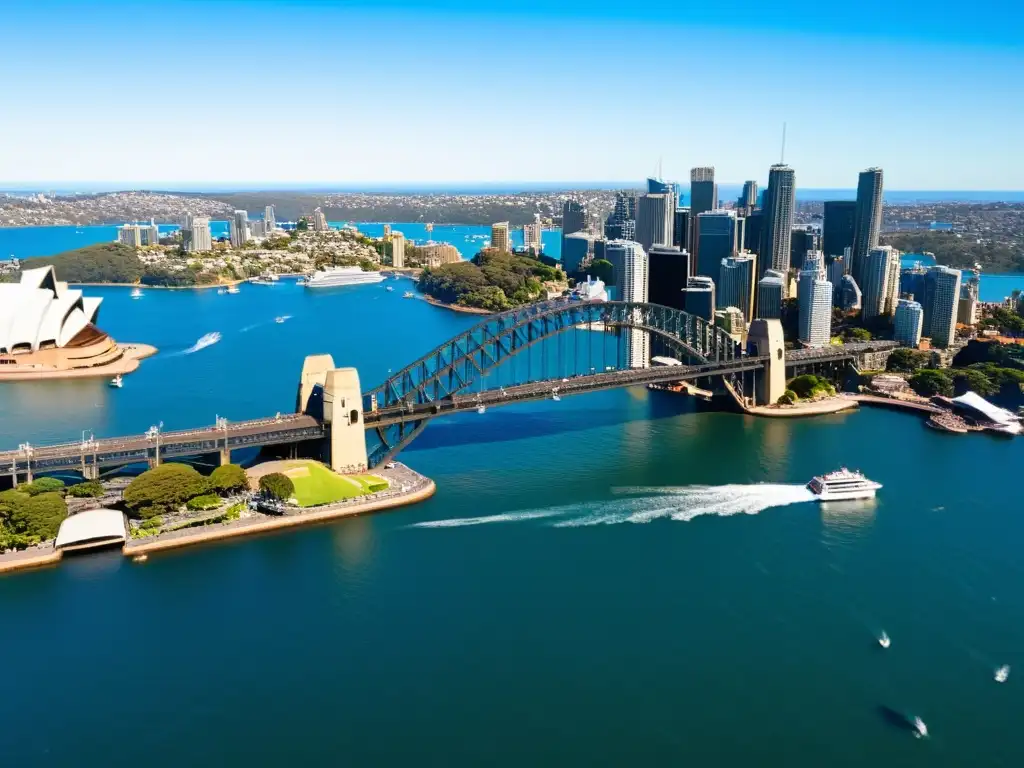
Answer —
(920, 729)
(233, 289)
(408, 295)
(481, 409)
(136, 293)
(117, 381)
(884, 640)
(843, 485)
(278, 319)
(389, 288)
(221, 291)
(1002, 673)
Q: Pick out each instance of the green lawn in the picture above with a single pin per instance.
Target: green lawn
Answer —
(319, 485)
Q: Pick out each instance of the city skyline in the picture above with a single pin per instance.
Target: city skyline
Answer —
(322, 95)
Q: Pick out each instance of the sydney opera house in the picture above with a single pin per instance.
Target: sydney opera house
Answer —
(48, 329)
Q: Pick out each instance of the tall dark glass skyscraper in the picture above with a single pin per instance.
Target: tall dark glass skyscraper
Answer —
(574, 218)
(867, 222)
(837, 230)
(681, 228)
(779, 207)
(668, 271)
(748, 197)
(716, 233)
(703, 191)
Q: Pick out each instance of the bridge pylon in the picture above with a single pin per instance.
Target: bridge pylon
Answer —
(333, 396)
(767, 338)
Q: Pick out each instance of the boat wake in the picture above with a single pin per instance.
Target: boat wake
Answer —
(644, 505)
(206, 340)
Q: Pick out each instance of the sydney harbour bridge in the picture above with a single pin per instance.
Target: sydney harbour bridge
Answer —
(543, 351)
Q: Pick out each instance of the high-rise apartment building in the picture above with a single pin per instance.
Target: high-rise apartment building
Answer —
(878, 269)
(967, 308)
(700, 297)
(737, 284)
(655, 217)
(532, 235)
(130, 235)
(867, 222)
(435, 254)
(397, 250)
(814, 300)
(239, 229)
(837, 228)
(703, 190)
(631, 279)
(574, 218)
(668, 272)
(779, 209)
(771, 291)
(499, 236)
(908, 323)
(319, 220)
(941, 297)
(195, 234)
(716, 239)
(269, 219)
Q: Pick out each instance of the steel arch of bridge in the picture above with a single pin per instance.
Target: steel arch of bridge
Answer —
(463, 360)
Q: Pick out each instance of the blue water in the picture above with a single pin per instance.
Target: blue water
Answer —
(614, 579)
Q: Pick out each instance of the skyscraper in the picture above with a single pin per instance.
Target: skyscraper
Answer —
(837, 228)
(867, 221)
(532, 235)
(700, 297)
(967, 309)
(631, 279)
(771, 290)
(269, 219)
(753, 232)
(703, 198)
(319, 220)
(655, 216)
(814, 297)
(877, 280)
(850, 299)
(240, 229)
(835, 268)
(941, 296)
(716, 239)
(802, 240)
(909, 320)
(499, 236)
(681, 228)
(397, 250)
(748, 197)
(668, 272)
(574, 218)
(576, 247)
(737, 282)
(196, 234)
(779, 207)
(130, 235)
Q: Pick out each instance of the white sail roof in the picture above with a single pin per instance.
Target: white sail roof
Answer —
(992, 412)
(40, 310)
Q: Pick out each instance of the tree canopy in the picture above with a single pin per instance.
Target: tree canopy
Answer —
(164, 489)
(102, 263)
(494, 280)
(906, 360)
(929, 382)
(277, 486)
(228, 478)
(810, 385)
(38, 516)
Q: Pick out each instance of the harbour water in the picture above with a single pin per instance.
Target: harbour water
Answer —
(613, 579)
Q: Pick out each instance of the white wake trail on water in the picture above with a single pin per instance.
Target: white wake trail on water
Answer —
(644, 505)
(206, 340)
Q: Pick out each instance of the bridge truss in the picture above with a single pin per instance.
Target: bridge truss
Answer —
(538, 343)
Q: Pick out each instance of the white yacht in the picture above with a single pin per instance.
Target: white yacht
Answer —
(1003, 673)
(267, 278)
(884, 640)
(408, 295)
(117, 382)
(233, 289)
(843, 485)
(335, 276)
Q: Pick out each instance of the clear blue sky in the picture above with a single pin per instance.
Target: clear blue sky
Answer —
(337, 92)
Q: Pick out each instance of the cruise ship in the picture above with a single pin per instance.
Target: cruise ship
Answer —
(843, 485)
(335, 276)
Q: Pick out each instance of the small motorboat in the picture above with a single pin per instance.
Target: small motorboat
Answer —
(117, 382)
(221, 291)
(1002, 673)
(136, 293)
(233, 289)
(920, 729)
(408, 295)
(278, 319)
(481, 409)
(140, 558)
(389, 288)
(884, 640)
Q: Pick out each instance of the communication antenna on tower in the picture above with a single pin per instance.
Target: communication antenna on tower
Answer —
(782, 159)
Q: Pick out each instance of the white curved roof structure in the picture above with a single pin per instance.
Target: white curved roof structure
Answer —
(94, 526)
(39, 311)
(989, 410)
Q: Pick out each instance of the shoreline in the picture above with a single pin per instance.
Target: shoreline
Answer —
(455, 307)
(140, 286)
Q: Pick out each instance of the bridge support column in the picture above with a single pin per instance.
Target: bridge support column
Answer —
(767, 338)
(335, 396)
(90, 471)
(225, 456)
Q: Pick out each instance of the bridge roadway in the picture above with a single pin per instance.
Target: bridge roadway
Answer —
(544, 390)
(132, 449)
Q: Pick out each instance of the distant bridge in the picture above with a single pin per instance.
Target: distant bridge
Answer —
(542, 351)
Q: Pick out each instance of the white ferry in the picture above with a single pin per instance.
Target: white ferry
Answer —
(267, 278)
(335, 276)
(843, 485)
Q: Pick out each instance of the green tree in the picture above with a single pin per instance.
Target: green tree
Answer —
(42, 485)
(810, 385)
(89, 489)
(857, 334)
(971, 379)
(928, 382)
(302, 225)
(228, 478)
(603, 270)
(11, 500)
(906, 360)
(164, 489)
(204, 502)
(277, 486)
(788, 397)
(39, 516)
